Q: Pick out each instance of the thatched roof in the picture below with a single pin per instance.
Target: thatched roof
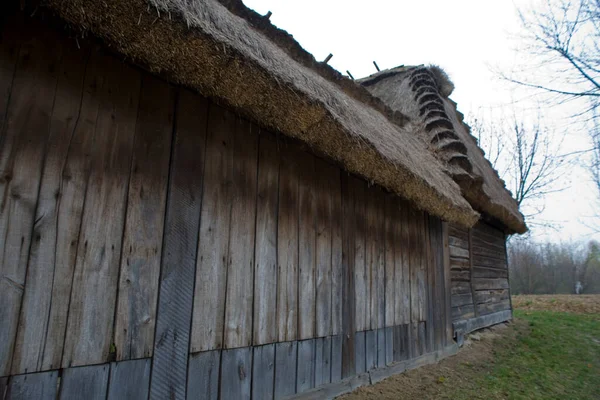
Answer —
(421, 93)
(225, 51)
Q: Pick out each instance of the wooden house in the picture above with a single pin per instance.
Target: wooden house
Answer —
(193, 207)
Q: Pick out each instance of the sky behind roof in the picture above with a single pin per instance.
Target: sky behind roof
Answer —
(471, 40)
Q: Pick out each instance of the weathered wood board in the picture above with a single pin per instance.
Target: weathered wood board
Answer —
(213, 246)
(236, 374)
(144, 224)
(40, 386)
(263, 371)
(265, 268)
(85, 382)
(129, 380)
(286, 363)
(203, 375)
(90, 322)
(180, 244)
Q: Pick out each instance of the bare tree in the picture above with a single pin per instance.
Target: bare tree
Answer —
(525, 157)
(564, 38)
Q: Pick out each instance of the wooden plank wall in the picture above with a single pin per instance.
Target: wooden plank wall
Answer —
(142, 221)
(479, 271)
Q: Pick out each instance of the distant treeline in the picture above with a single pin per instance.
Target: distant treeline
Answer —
(551, 268)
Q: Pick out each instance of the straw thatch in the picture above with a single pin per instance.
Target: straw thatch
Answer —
(205, 46)
(422, 94)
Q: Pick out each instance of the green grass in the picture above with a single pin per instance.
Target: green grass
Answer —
(558, 357)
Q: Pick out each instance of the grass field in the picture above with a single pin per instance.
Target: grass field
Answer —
(550, 351)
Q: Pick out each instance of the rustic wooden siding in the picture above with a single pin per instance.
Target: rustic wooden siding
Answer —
(147, 226)
(479, 271)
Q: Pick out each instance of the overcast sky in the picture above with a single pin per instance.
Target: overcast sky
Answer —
(470, 40)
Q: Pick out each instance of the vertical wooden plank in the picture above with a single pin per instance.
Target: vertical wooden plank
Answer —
(203, 375)
(447, 285)
(306, 365)
(325, 179)
(240, 268)
(286, 362)
(337, 265)
(360, 352)
(3, 386)
(391, 297)
(439, 292)
(236, 373)
(381, 273)
(475, 308)
(422, 338)
(142, 241)
(180, 243)
(401, 263)
(381, 348)
(33, 321)
(389, 345)
(398, 345)
(24, 136)
(287, 246)
(336, 358)
(88, 383)
(414, 260)
(11, 38)
(348, 224)
(129, 380)
(362, 297)
(371, 349)
(263, 372)
(73, 188)
(371, 259)
(306, 248)
(265, 269)
(429, 283)
(40, 386)
(322, 361)
(213, 246)
(93, 298)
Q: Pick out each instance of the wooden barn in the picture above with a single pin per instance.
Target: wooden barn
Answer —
(193, 207)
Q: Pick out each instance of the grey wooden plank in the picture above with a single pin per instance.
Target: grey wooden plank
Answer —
(213, 247)
(397, 333)
(306, 365)
(40, 386)
(325, 174)
(263, 372)
(337, 238)
(89, 333)
(89, 383)
(178, 264)
(287, 245)
(3, 386)
(322, 361)
(336, 358)
(203, 375)
(129, 380)
(265, 266)
(389, 345)
(24, 137)
(236, 373)
(144, 224)
(371, 349)
(240, 266)
(348, 227)
(422, 342)
(307, 236)
(73, 189)
(360, 356)
(381, 348)
(286, 361)
(37, 299)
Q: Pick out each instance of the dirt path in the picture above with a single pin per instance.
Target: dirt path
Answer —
(580, 304)
(437, 380)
